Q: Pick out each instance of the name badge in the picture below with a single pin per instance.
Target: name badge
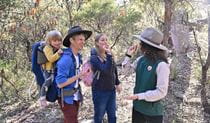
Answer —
(149, 68)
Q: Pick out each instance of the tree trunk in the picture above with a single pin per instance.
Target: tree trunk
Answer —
(205, 68)
(167, 21)
(204, 99)
(180, 76)
(69, 9)
(183, 103)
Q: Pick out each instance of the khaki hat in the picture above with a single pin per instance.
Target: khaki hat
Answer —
(152, 37)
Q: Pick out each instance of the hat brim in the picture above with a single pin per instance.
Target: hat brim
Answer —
(161, 47)
(86, 33)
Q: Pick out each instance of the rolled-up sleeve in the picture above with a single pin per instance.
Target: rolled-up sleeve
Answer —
(63, 70)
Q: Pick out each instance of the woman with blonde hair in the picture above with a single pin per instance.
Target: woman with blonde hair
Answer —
(105, 82)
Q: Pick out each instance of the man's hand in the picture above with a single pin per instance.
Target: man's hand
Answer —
(84, 73)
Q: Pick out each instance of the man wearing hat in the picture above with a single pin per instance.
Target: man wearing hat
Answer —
(152, 77)
(68, 74)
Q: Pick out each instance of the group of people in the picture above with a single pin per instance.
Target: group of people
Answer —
(63, 68)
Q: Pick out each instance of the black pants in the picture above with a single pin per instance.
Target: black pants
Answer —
(138, 117)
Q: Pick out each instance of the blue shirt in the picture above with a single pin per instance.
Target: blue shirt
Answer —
(66, 68)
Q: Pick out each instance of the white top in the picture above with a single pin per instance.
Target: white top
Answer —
(76, 95)
(162, 71)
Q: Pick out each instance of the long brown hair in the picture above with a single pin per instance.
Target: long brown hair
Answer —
(152, 53)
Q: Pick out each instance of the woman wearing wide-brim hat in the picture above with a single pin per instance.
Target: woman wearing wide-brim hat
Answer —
(152, 77)
(68, 74)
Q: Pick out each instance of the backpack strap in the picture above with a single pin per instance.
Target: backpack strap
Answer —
(97, 75)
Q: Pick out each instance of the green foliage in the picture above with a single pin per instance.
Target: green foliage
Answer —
(14, 82)
(101, 15)
(3, 64)
(128, 22)
(4, 4)
(97, 9)
(118, 22)
(97, 14)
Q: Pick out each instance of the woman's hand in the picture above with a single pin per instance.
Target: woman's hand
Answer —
(132, 50)
(131, 97)
(107, 49)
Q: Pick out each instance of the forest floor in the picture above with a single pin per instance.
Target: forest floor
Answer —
(31, 112)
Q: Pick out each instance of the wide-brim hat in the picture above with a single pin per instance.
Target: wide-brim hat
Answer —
(152, 37)
(74, 31)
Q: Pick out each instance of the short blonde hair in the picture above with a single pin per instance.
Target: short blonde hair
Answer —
(53, 35)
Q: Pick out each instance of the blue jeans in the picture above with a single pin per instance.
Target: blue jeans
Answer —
(104, 102)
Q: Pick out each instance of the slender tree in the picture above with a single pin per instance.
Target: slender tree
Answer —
(167, 20)
(205, 68)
